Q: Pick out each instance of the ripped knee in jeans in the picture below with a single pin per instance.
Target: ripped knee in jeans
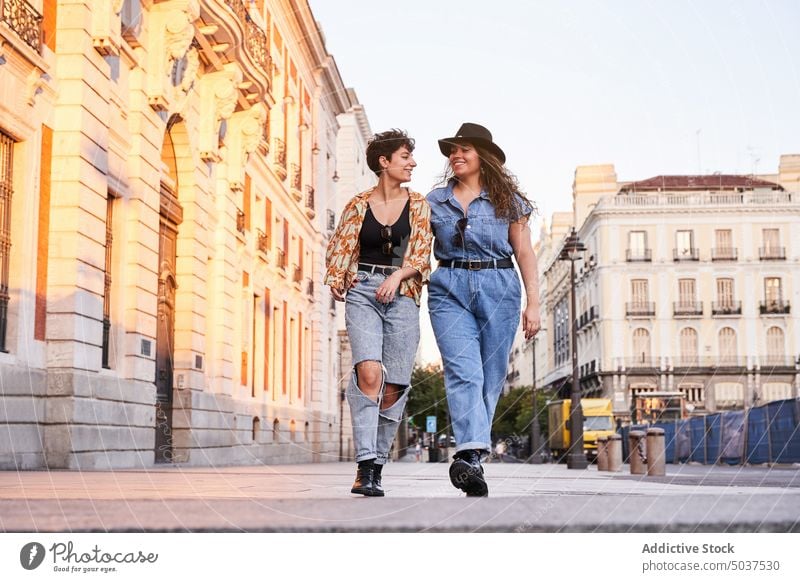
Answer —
(369, 378)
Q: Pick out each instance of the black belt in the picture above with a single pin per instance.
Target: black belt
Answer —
(506, 263)
(385, 270)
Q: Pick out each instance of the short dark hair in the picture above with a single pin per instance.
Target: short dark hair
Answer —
(385, 144)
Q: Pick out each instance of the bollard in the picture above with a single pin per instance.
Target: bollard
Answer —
(614, 453)
(636, 442)
(656, 463)
(602, 458)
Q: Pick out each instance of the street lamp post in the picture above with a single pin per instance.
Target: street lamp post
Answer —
(576, 458)
(536, 454)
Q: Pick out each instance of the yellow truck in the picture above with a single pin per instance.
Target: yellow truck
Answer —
(598, 421)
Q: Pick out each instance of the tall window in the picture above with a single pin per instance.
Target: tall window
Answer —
(727, 345)
(561, 333)
(688, 339)
(773, 293)
(772, 240)
(639, 291)
(775, 346)
(641, 345)
(637, 241)
(6, 191)
(107, 286)
(725, 292)
(723, 240)
(684, 242)
(686, 292)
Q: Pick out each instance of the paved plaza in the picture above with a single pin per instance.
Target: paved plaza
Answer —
(419, 497)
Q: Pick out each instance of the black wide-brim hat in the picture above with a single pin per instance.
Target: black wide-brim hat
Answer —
(474, 134)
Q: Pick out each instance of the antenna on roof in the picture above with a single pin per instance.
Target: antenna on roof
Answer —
(697, 137)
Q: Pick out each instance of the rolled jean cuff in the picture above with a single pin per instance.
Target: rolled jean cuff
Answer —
(366, 457)
(473, 445)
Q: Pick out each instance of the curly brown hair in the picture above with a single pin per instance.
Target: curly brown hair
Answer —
(385, 144)
(508, 199)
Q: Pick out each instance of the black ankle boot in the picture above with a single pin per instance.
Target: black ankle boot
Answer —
(466, 473)
(376, 479)
(365, 480)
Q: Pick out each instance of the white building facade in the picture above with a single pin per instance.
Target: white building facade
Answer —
(168, 171)
(689, 284)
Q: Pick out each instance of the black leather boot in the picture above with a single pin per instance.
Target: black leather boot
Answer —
(365, 483)
(376, 480)
(466, 473)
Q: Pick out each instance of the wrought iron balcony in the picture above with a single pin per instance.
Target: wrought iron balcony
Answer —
(256, 40)
(296, 182)
(588, 316)
(639, 255)
(279, 158)
(310, 288)
(687, 308)
(281, 259)
(262, 242)
(24, 20)
(777, 361)
(720, 361)
(772, 253)
(774, 306)
(298, 274)
(692, 254)
(726, 308)
(240, 221)
(724, 254)
(640, 308)
(642, 362)
(310, 202)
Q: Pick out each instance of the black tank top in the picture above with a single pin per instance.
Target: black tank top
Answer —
(372, 241)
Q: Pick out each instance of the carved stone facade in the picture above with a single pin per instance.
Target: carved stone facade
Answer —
(147, 318)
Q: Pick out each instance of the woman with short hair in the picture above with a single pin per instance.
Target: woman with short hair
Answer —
(377, 262)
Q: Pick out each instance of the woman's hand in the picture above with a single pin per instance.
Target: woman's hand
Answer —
(339, 294)
(386, 292)
(530, 321)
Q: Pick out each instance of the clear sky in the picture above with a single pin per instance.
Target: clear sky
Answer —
(654, 87)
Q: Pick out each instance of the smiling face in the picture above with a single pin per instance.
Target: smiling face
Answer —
(399, 166)
(464, 160)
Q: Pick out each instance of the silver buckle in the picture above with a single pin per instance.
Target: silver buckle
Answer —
(474, 265)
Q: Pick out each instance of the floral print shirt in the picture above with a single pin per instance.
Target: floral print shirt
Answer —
(341, 259)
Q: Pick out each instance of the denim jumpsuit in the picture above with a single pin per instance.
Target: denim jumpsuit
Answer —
(474, 313)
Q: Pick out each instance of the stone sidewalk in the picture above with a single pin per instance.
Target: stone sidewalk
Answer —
(316, 497)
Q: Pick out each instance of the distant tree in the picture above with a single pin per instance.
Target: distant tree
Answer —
(515, 410)
(427, 397)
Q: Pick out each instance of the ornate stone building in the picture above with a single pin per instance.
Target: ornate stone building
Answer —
(166, 175)
(689, 284)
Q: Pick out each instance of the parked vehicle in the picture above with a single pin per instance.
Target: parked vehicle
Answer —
(598, 421)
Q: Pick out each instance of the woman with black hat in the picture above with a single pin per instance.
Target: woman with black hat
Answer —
(479, 220)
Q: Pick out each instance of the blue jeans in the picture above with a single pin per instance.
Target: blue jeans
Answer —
(385, 333)
(475, 315)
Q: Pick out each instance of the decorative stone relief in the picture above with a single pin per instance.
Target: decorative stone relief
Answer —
(192, 66)
(171, 34)
(219, 93)
(245, 129)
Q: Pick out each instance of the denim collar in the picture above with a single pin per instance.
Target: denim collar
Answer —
(448, 191)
